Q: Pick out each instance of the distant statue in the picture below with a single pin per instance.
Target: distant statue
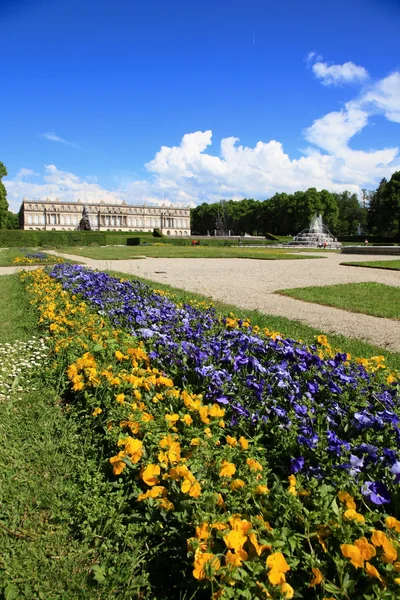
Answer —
(84, 223)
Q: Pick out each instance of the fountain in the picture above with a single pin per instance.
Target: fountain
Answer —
(316, 236)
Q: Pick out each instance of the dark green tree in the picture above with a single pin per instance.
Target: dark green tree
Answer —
(3, 197)
(392, 194)
(12, 221)
(379, 211)
(203, 218)
(351, 214)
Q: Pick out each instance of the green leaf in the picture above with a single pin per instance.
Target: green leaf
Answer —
(99, 573)
(98, 348)
(11, 592)
(335, 507)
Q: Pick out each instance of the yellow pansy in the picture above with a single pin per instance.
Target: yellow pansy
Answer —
(150, 473)
(117, 463)
(236, 484)
(354, 554)
(187, 419)
(244, 444)
(231, 440)
(373, 572)
(235, 540)
(352, 515)
(287, 590)
(393, 523)
(120, 398)
(203, 560)
(316, 580)
(227, 469)
(253, 464)
(278, 567)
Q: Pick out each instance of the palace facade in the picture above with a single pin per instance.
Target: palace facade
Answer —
(56, 215)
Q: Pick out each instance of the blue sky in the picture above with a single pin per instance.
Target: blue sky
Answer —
(141, 101)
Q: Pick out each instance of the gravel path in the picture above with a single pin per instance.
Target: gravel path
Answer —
(251, 284)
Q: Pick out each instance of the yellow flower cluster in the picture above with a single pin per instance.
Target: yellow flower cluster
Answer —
(362, 551)
(25, 260)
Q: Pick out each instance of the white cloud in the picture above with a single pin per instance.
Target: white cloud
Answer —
(23, 173)
(348, 72)
(53, 137)
(383, 97)
(312, 57)
(188, 173)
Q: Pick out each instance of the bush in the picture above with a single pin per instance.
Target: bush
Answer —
(270, 236)
(157, 233)
(15, 238)
(135, 241)
(373, 239)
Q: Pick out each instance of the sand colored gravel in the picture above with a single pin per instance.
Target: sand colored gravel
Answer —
(252, 284)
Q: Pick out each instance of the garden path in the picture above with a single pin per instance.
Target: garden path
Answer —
(252, 284)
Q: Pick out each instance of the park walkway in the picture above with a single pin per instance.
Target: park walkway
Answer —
(252, 284)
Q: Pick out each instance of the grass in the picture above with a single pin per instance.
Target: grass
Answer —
(14, 311)
(368, 298)
(287, 327)
(391, 265)
(7, 256)
(59, 514)
(167, 251)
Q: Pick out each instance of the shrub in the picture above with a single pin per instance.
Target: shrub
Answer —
(134, 241)
(17, 238)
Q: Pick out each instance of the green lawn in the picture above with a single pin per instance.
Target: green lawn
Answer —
(16, 320)
(57, 508)
(287, 327)
(167, 251)
(368, 298)
(391, 265)
(7, 256)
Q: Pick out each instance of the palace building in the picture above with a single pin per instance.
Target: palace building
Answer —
(57, 215)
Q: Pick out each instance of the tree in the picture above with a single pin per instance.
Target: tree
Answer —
(12, 221)
(392, 193)
(3, 197)
(384, 207)
(203, 218)
(351, 214)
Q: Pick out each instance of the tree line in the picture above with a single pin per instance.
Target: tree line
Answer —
(285, 214)
(288, 214)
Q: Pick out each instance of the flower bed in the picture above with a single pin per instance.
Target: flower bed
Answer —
(35, 258)
(273, 466)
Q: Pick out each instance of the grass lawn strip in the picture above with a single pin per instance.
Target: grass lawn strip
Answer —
(288, 327)
(167, 251)
(391, 265)
(56, 507)
(369, 298)
(12, 257)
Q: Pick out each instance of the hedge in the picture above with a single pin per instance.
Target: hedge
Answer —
(372, 239)
(12, 238)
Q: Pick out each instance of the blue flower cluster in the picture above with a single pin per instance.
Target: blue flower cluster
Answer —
(324, 418)
(37, 255)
